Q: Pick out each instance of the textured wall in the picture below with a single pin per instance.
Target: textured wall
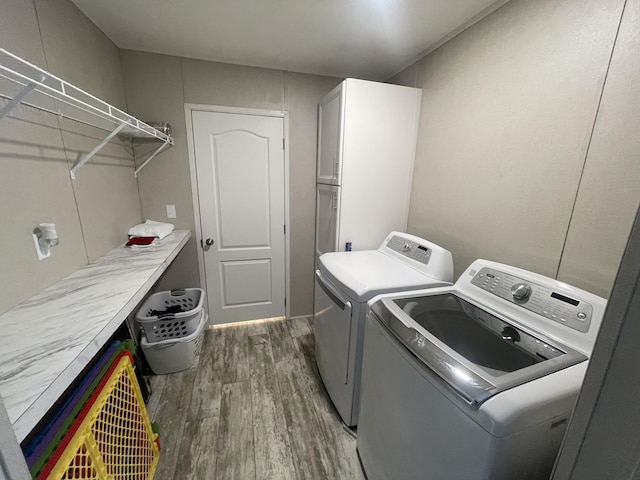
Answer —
(507, 114)
(602, 439)
(157, 88)
(93, 212)
(610, 185)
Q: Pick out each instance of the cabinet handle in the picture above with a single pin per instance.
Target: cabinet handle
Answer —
(335, 201)
(336, 167)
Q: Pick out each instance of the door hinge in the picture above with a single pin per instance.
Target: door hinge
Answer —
(283, 143)
(285, 302)
(285, 228)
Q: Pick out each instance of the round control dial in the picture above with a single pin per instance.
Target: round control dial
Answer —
(521, 291)
(406, 247)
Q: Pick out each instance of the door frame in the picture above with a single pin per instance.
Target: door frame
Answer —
(191, 107)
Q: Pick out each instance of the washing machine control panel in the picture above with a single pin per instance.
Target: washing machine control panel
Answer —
(410, 249)
(552, 304)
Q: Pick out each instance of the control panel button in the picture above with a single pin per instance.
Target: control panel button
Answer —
(521, 291)
(537, 298)
(409, 249)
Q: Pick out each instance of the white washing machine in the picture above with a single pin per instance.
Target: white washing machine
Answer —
(475, 381)
(345, 281)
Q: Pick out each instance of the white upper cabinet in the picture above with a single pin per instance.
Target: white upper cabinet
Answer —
(327, 210)
(367, 135)
(329, 137)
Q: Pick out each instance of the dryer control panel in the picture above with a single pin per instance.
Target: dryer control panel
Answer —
(410, 249)
(552, 304)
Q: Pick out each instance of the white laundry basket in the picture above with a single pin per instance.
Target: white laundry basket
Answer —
(184, 320)
(174, 354)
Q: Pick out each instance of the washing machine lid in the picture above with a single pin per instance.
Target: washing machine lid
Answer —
(477, 353)
(364, 274)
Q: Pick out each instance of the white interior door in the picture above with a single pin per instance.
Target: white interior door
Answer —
(240, 176)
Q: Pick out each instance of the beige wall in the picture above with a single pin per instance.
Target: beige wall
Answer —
(507, 114)
(93, 212)
(505, 167)
(610, 186)
(157, 88)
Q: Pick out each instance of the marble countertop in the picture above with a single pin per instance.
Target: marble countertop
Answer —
(49, 339)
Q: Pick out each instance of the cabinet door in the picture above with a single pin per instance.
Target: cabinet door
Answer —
(329, 136)
(327, 218)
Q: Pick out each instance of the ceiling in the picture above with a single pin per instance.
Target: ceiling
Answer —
(371, 39)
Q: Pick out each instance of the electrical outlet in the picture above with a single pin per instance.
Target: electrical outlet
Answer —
(171, 211)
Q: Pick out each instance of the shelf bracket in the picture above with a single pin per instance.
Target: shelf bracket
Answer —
(17, 99)
(99, 147)
(162, 147)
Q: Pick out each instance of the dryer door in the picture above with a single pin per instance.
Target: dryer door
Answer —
(332, 328)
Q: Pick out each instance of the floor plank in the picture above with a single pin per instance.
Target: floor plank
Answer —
(258, 327)
(207, 390)
(272, 451)
(298, 327)
(171, 417)
(235, 354)
(197, 456)
(347, 464)
(235, 452)
(306, 433)
(281, 341)
(318, 395)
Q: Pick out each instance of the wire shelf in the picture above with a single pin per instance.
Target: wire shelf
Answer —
(23, 82)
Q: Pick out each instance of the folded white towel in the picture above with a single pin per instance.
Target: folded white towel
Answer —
(151, 229)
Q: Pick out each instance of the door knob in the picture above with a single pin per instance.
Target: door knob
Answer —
(205, 244)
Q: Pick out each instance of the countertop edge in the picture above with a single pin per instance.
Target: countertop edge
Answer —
(38, 409)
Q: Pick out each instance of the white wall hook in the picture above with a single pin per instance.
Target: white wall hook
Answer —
(45, 237)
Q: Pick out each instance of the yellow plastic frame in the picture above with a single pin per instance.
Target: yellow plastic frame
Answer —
(105, 446)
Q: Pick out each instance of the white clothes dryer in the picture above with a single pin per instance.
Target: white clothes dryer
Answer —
(475, 381)
(345, 281)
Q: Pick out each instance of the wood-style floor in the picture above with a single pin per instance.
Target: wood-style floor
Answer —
(253, 407)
